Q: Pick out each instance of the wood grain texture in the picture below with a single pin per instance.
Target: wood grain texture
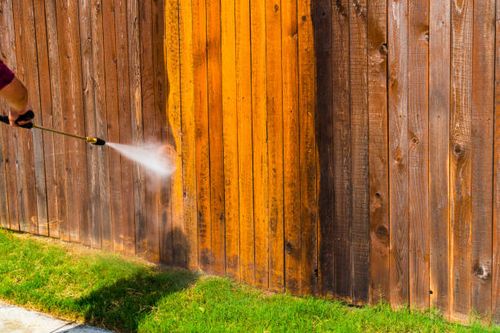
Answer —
(460, 157)
(259, 126)
(188, 132)
(483, 73)
(360, 229)
(342, 152)
(274, 105)
(230, 139)
(495, 294)
(291, 146)
(418, 153)
(439, 187)
(308, 149)
(398, 152)
(245, 160)
(378, 151)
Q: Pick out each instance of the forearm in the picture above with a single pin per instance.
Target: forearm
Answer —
(16, 95)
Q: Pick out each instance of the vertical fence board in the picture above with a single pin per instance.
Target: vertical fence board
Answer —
(342, 149)
(360, 229)
(418, 153)
(292, 232)
(460, 157)
(245, 161)
(275, 144)
(260, 158)
(230, 138)
(188, 132)
(378, 151)
(398, 151)
(439, 115)
(322, 21)
(202, 140)
(483, 77)
(307, 146)
(495, 295)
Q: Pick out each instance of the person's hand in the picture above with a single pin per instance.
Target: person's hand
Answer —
(17, 118)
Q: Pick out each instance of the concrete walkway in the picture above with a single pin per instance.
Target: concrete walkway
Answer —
(14, 319)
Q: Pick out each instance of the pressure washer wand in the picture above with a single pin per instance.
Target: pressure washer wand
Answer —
(30, 115)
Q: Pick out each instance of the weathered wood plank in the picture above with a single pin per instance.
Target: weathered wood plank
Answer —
(245, 161)
(322, 20)
(230, 138)
(290, 67)
(378, 151)
(342, 149)
(274, 107)
(460, 159)
(483, 98)
(439, 123)
(495, 292)
(360, 227)
(418, 153)
(398, 151)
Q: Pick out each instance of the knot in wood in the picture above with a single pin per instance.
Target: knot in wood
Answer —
(382, 232)
(276, 7)
(481, 271)
(458, 150)
(288, 248)
(383, 49)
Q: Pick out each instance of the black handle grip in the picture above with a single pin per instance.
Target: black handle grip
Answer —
(24, 117)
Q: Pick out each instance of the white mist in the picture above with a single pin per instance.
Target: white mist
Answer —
(153, 157)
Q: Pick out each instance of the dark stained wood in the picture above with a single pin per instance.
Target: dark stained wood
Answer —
(483, 98)
(439, 123)
(342, 149)
(398, 151)
(322, 22)
(360, 226)
(460, 157)
(274, 107)
(378, 151)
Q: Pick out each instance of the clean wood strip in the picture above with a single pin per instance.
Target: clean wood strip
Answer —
(378, 151)
(259, 123)
(291, 143)
(360, 228)
(308, 162)
(245, 162)
(274, 107)
(202, 139)
(483, 98)
(214, 76)
(322, 20)
(342, 149)
(460, 158)
(439, 123)
(126, 238)
(230, 138)
(188, 147)
(135, 76)
(398, 152)
(418, 153)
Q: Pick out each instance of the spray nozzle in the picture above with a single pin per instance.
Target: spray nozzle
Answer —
(95, 141)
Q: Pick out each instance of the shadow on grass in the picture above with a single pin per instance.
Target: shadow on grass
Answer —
(124, 304)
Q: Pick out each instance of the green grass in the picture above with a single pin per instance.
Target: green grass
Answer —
(129, 296)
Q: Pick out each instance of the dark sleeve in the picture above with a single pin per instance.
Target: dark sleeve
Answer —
(6, 75)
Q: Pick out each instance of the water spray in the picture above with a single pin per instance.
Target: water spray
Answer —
(30, 115)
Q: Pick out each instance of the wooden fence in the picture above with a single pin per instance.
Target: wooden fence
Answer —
(339, 148)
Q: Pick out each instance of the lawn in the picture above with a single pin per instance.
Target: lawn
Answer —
(128, 296)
